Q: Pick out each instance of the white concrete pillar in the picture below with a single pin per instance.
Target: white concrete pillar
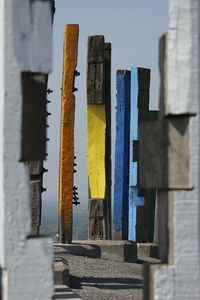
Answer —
(25, 45)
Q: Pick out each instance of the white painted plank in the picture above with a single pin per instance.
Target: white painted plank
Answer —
(32, 25)
(26, 263)
(183, 58)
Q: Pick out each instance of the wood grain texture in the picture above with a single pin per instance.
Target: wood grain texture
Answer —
(146, 215)
(141, 202)
(99, 137)
(163, 74)
(121, 183)
(169, 169)
(108, 160)
(96, 148)
(35, 167)
(179, 277)
(183, 58)
(33, 131)
(35, 187)
(137, 83)
(96, 70)
(67, 133)
(146, 218)
(36, 183)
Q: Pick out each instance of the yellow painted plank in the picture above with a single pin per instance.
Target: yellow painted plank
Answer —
(96, 130)
(67, 133)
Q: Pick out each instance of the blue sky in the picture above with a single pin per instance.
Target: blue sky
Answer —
(133, 27)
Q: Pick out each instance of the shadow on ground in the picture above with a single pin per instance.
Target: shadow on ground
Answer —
(118, 283)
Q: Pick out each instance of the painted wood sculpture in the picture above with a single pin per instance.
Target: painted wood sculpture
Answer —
(138, 109)
(141, 201)
(67, 133)
(99, 137)
(108, 160)
(34, 122)
(121, 185)
(35, 87)
(134, 209)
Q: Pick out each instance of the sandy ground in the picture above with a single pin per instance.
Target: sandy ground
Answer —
(104, 279)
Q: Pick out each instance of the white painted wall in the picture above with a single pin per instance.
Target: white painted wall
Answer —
(25, 46)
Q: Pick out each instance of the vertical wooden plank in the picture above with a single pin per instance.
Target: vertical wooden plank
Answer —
(145, 228)
(33, 144)
(141, 202)
(96, 125)
(33, 131)
(163, 73)
(152, 196)
(35, 205)
(96, 70)
(146, 218)
(108, 163)
(96, 147)
(36, 171)
(99, 137)
(134, 199)
(121, 185)
(181, 249)
(67, 133)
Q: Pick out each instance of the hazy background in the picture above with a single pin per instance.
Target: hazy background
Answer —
(134, 28)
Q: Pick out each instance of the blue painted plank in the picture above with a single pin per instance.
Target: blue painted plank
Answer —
(134, 199)
(133, 124)
(121, 186)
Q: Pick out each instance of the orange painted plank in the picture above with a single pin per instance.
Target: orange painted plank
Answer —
(67, 134)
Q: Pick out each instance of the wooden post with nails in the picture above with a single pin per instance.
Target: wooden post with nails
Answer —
(99, 137)
(67, 133)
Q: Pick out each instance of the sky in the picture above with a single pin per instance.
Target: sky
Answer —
(134, 28)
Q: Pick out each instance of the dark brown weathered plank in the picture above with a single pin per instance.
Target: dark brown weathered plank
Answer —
(35, 187)
(35, 167)
(144, 76)
(163, 76)
(33, 131)
(169, 168)
(108, 163)
(96, 70)
(96, 209)
(135, 151)
(99, 92)
(36, 180)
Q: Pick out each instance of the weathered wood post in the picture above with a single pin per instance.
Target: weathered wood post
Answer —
(139, 107)
(146, 216)
(36, 178)
(36, 169)
(134, 209)
(99, 137)
(175, 167)
(121, 185)
(66, 179)
(108, 162)
(25, 60)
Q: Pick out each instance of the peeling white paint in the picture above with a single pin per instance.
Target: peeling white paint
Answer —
(180, 280)
(183, 54)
